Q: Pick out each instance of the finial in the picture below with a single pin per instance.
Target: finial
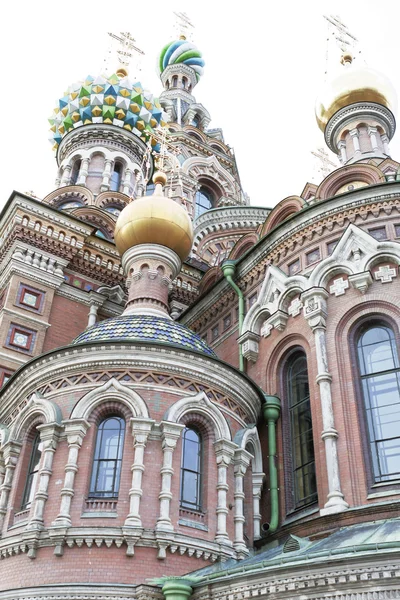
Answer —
(346, 59)
(123, 50)
(183, 25)
(159, 177)
(121, 72)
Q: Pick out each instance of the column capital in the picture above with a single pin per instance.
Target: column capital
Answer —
(315, 307)
(224, 451)
(50, 432)
(257, 480)
(75, 430)
(170, 433)
(141, 428)
(241, 460)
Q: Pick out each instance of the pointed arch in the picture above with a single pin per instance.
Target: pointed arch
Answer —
(200, 404)
(249, 436)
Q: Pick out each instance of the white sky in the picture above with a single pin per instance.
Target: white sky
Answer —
(265, 65)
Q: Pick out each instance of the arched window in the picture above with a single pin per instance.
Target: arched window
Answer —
(380, 380)
(116, 174)
(204, 201)
(191, 469)
(175, 81)
(304, 488)
(33, 472)
(106, 470)
(75, 171)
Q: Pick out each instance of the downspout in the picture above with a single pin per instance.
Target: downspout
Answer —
(229, 269)
(271, 410)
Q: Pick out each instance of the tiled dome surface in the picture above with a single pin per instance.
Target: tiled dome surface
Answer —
(136, 328)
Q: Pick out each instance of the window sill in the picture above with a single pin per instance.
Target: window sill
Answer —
(193, 524)
(103, 514)
(300, 514)
(383, 494)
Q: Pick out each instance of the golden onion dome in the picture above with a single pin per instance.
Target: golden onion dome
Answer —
(354, 84)
(155, 219)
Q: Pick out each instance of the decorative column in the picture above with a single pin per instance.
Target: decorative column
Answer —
(170, 435)
(224, 451)
(385, 142)
(11, 452)
(96, 301)
(241, 462)
(83, 172)
(140, 432)
(356, 141)
(126, 184)
(258, 480)
(75, 430)
(105, 184)
(372, 131)
(177, 588)
(49, 434)
(66, 176)
(342, 148)
(315, 311)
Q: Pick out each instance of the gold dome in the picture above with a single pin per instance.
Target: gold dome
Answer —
(354, 84)
(155, 220)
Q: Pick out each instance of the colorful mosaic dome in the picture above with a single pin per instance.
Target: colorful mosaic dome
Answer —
(137, 328)
(181, 51)
(113, 100)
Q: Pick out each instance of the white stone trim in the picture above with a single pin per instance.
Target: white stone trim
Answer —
(200, 404)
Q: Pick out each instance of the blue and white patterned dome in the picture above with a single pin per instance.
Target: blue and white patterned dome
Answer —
(137, 328)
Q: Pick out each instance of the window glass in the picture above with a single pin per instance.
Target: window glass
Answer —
(115, 180)
(302, 446)
(204, 201)
(33, 472)
(191, 469)
(380, 380)
(106, 471)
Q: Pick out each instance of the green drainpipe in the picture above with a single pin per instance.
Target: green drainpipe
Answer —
(177, 589)
(271, 410)
(229, 269)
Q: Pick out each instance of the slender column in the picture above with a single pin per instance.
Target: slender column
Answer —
(105, 184)
(342, 148)
(75, 430)
(11, 452)
(372, 131)
(83, 172)
(2, 469)
(92, 314)
(49, 434)
(315, 311)
(258, 479)
(66, 176)
(385, 142)
(170, 436)
(126, 185)
(356, 141)
(140, 432)
(241, 462)
(224, 451)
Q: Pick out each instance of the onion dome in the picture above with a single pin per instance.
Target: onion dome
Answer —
(155, 220)
(181, 51)
(144, 328)
(354, 84)
(113, 100)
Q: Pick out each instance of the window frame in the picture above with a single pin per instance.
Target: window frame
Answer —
(292, 506)
(357, 331)
(40, 297)
(32, 475)
(15, 328)
(93, 492)
(198, 506)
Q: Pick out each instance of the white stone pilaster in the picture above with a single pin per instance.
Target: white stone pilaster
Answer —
(140, 432)
(372, 132)
(170, 435)
(49, 434)
(11, 452)
(241, 462)
(315, 311)
(127, 183)
(258, 479)
(66, 176)
(224, 452)
(342, 149)
(105, 184)
(75, 430)
(83, 172)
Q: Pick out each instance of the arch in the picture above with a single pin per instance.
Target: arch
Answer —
(69, 192)
(282, 211)
(111, 390)
(200, 403)
(243, 245)
(37, 405)
(369, 174)
(210, 170)
(250, 436)
(111, 198)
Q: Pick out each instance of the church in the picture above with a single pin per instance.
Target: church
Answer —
(200, 399)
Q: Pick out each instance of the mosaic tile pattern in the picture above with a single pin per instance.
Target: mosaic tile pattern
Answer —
(112, 100)
(136, 328)
(181, 51)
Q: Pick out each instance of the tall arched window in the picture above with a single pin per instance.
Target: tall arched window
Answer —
(75, 171)
(33, 472)
(191, 469)
(380, 379)
(301, 436)
(116, 174)
(204, 201)
(106, 470)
